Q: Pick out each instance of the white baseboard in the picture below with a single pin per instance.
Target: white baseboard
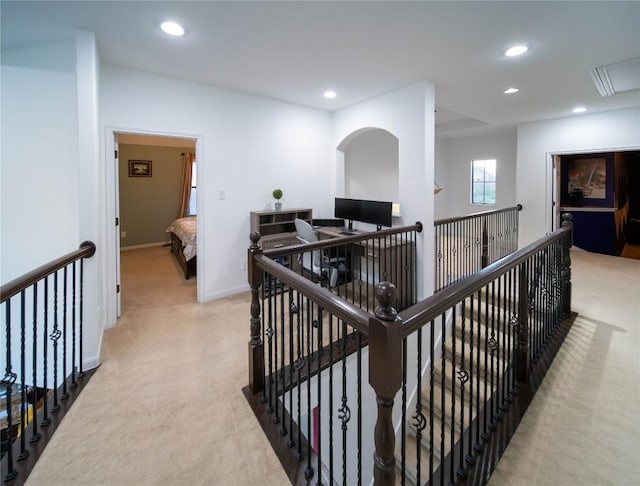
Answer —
(227, 293)
(146, 245)
(89, 364)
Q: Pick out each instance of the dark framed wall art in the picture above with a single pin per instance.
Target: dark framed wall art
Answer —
(139, 168)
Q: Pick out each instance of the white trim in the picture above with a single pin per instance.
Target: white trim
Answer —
(228, 292)
(91, 363)
(146, 245)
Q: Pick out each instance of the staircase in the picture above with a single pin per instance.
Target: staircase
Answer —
(469, 370)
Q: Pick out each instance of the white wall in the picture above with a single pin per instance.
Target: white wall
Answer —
(407, 114)
(247, 146)
(453, 171)
(39, 164)
(538, 140)
(371, 167)
(48, 169)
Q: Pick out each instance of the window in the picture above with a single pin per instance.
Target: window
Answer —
(483, 181)
(192, 196)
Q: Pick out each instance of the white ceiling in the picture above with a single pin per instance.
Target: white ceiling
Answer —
(293, 51)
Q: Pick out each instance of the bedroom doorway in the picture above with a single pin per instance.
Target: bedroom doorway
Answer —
(148, 183)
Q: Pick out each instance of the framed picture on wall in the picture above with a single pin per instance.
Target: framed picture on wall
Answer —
(139, 168)
(590, 176)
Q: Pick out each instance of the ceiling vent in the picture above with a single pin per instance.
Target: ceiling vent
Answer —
(616, 78)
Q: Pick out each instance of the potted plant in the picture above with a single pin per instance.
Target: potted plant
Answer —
(576, 195)
(277, 195)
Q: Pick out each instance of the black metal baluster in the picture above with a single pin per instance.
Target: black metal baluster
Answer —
(403, 420)
(420, 421)
(281, 371)
(478, 444)
(344, 414)
(65, 393)
(485, 432)
(318, 439)
(293, 310)
(308, 473)
(81, 322)
(443, 381)
(299, 367)
(24, 453)
(46, 421)
(432, 353)
(55, 335)
(359, 400)
(499, 350)
(74, 383)
(493, 346)
(269, 333)
(331, 345)
(463, 376)
(470, 458)
(452, 435)
(8, 380)
(35, 435)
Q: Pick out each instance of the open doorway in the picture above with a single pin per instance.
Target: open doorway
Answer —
(156, 190)
(599, 190)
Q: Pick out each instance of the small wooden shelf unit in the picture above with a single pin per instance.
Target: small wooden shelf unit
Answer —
(277, 228)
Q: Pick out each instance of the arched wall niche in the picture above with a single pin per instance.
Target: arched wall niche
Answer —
(370, 164)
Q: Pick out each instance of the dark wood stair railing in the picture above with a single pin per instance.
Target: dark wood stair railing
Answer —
(35, 397)
(479, 348)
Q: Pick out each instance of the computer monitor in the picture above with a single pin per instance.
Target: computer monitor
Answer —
(347, 209)
(372, 212)
(376, 212)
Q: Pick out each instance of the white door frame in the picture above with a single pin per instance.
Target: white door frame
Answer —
(112, 255)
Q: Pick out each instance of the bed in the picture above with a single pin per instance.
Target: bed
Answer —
(183, 233)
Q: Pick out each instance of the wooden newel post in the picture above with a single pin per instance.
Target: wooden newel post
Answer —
(522, 356)
(567, 222)
(385, 376)
(256, 346)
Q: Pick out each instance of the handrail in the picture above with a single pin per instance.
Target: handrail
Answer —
(86, 250)
(340, 241)
(428, 309)
(439, 222)
(356, 317)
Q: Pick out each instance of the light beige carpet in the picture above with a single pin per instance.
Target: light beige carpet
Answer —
(165, 407)
(583, 425)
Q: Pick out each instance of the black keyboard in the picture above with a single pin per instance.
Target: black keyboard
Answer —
(347, 233)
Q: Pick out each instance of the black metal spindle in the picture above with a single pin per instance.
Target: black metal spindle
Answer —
(81, 323)
(24, 453)
(74, 383)
(359, 401)
(344, 412)
(309, 470)
(443, 380)
(403, 420)
(420, 423)
(35, 435)
(470, 458)
(46, 421)
(293, 309)
(55, 335)
(65, 393)
(8, 380)
(432, 354)
(269, 333)
(452, 436)
(331, 362)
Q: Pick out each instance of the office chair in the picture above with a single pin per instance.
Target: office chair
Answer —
(317, 264)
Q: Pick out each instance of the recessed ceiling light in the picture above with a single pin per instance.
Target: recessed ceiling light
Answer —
(516, 51)
(172, 28)
(579, 109)
(511, 90)
(330, 94)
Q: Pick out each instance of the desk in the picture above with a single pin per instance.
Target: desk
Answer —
(376, 260)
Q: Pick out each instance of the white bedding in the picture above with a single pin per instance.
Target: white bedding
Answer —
(186, 230)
